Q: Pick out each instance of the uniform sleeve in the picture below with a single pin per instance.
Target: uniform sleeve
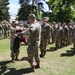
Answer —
(33, 27)
(12, 29)
(48, 31)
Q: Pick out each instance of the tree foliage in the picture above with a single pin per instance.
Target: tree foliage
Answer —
(26, 8)
(4, 14)
(63, 10)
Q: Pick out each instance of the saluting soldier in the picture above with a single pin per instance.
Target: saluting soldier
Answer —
(45, 35)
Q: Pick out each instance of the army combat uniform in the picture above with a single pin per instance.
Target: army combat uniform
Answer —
(33, 43)
(45, 35)
(14, 50)
(59, 37)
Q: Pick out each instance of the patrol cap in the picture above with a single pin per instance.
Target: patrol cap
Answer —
(31, 16)
(54, 22)
(13, 21)
(45, 18)
(16, 22)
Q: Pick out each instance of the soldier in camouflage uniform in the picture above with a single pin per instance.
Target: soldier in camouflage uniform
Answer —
(65, 34)
(45, 31)
(8, 31)
(14, 53)
(5, 29)
(34, 35)
(70, 33)
(54, 26)
(74, 38)
(59, 35)
(0, 30)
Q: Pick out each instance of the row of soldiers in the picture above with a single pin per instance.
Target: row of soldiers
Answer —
(63, 34)
(4, 29)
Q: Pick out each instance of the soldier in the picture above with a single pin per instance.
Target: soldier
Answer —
(74, 39)
(59, 35)
(5, 29)
(8, 31)
(45, 35)
(14, 47)
(34, 34)
(54, 26)
(65, 34)
(0, 30)
(71, 28)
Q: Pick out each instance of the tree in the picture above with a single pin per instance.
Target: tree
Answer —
(4, 14)
(26, 8)
(63, 10)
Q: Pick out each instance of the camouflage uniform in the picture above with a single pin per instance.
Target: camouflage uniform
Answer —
(8, 31)
(74, 39)
(45, 36)
(53, 32)
(0, 30)
(5, 30)
(71, 29)
(33, 42)
(14, 53)
(65, 34)
(59, 35)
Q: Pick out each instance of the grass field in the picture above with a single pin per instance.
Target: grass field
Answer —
(56, 62)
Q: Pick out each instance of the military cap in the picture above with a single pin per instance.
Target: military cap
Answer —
(31, 16)
(54, 22)
(45, 18)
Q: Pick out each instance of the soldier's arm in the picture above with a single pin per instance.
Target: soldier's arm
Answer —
(32, 28)
(12, 29)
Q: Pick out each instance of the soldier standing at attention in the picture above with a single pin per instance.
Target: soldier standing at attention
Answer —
(54, 26)
(65, 34)
(34, 35)
(59, 36)
(45, 31)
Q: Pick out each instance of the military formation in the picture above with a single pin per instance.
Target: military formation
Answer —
(39, 36)
(63, 34)
(4, 29)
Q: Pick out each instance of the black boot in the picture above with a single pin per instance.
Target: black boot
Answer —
(37, 66)
(16, 58)
(44, 53)
(33, 68)
(41, 55)
(13, 61)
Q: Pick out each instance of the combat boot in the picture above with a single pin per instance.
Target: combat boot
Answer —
(33, 68)
(13, 61)
(37, 66)
(16, 59)
(41, 55)
(44, 53)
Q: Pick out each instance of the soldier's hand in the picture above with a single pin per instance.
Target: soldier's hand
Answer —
(24, 28)
(15, 36)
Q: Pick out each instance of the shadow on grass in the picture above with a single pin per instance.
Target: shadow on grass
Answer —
(51, 49)
(5, 70)
(13, 71)
(3, 66)
(24, 59)
(68, 53)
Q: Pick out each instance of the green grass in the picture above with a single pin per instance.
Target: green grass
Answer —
(52, 64)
